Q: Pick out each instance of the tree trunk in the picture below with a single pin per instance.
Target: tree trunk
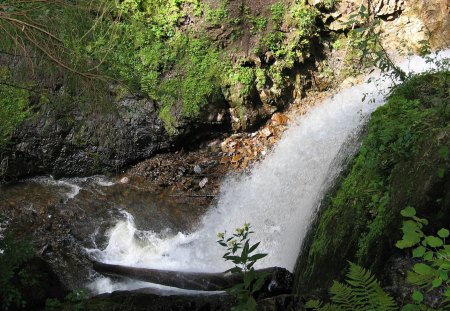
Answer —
(279, 280)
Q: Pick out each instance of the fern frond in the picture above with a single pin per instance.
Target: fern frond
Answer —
(343, 295)
(313, 304)
(367, 290)
(332, 307)
(317, 305)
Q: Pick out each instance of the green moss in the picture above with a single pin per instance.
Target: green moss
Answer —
(244, 76)
(218, 15)
(359, 219)
(14, 107)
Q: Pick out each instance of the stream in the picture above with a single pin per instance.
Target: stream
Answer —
(133, 225)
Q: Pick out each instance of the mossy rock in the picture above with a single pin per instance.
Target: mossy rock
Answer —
(403, 161)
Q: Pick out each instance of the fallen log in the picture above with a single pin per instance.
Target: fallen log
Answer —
(278, 281)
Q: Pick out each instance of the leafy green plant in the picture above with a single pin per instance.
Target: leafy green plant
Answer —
(433, 269)
(360, 292)
(74, 301)
(216, 16)
(13, 255)
(239, 252)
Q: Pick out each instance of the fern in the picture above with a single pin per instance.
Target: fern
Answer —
(368, 292)
(343, 295)
(361, 293)
(317, 305)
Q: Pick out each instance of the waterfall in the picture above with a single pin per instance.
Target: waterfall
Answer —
(278, 198)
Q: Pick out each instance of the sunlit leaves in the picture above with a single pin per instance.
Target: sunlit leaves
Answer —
(240, 253)
(432, 272)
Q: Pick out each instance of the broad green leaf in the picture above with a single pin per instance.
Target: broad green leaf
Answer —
(253, 247)
(444, 152)
(251, 304)
(313, 304)
(411, 307)
(436, 282)
(428, 256)
(443, 275)
(419, 251)
(423, 269)
(245, 250)
(248, 278)
(417, 296)
(434, 241)
(257, 257)
(408, 212)
(258, 284)
(443, 233)
(402, 244)
(447, 293)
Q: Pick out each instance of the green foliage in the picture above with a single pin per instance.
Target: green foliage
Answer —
(258, 24)
(303, 18)
(366, 45)
(217, 16)
(239, 252)
(430, 272)
(329, 4)
(277, 10)
(362, 211)
(74, 301)
(181, 71)
(14, 107)
(244, 76)
(433, 269)
(361, 292)
(13, 277)
(299, 16)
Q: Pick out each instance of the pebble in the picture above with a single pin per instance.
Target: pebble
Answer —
(203, 182)
(197, 169)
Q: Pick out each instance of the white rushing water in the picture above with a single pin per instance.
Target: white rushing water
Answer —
(278, 198)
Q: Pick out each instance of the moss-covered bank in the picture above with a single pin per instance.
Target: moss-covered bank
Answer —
(404, 160)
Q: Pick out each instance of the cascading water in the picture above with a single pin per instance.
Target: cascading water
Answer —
(278, 198)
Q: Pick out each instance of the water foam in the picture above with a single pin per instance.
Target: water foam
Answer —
(278, 198)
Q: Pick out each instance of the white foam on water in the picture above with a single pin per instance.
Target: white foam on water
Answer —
(103, 182)
(73, 189)
(278, 198)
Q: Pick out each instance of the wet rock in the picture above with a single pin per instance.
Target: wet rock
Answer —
(197, 169)
(281, 303)
(154, 301)
(99, 142)
(203, 182)
(389, 7)
(89, 143)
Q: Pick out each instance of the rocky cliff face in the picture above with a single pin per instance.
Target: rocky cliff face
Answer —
(266, 80)
(406, 24)
(80, 144)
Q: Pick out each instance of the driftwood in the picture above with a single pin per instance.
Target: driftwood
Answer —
(280, 280)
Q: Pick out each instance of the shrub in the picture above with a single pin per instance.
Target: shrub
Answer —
(13, 276)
